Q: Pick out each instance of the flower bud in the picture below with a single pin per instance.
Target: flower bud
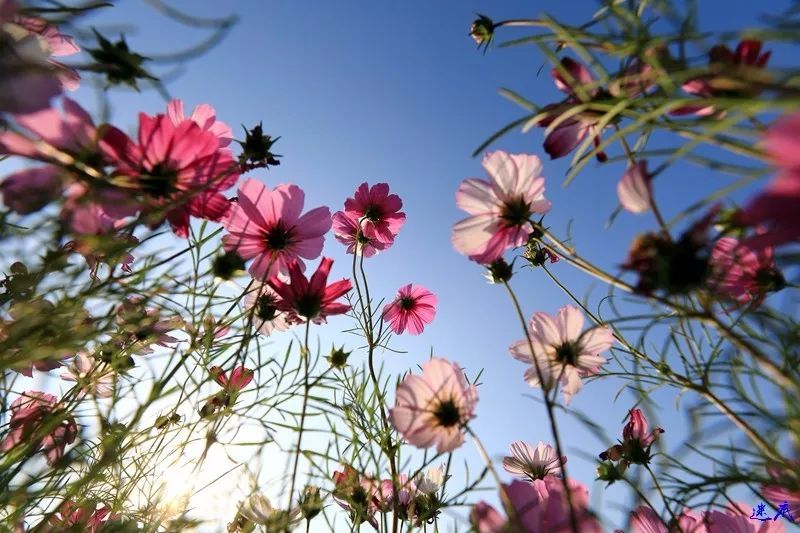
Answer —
(500, 271)
(310, 502)
(228, 265)
(338, 357)
(256, 149)
(482, 30)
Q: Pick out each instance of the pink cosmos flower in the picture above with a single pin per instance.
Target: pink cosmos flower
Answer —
(636, 440)
(266, 225)
(92, 377)
(742, 273)
(240, 377)
(736, 518)
(568, 134)
(178, 171)
(500, 207)
(358, 494)
(645, 520)
(775, 208)
(731, 77)
(777, 494)
(634, 190)
(564, 351)
(29, 412)
(85, 517)
(406, 489)
(313, 299)
(540, 507)
(431, 409)
(413, 307)
(347, 230)
(262, 301)
(532, 463)
(29, 190)
(204, 116)
(377, 212)
(56, 44)
(144, 326)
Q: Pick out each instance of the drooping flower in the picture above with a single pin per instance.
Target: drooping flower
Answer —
(204, 116)
(377, 212)
(775, 208)
(500, 207)
(143, 326)
(413, 307)
(731, 74)
(539, 507)
(262, 301)
(312, 299)
(532, 463)
(85, 517)
(92, 377)
(432, 409)
(56, 44)
(240, 377)
(565, 135)
(358, 494)
(258, 510)
(177, 171)
(266, 225)
(634, 190)
(562, 350)
(431, 480)
(636, 441)
(348, 231)
(741, 273)
(29, 414)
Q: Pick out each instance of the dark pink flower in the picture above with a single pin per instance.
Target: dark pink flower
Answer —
(485, 518)
(85, 517)
(413, 307)
(634, 190)
(432, 409)
(347, 230)
(742, 273)
(204, 116)
(788, 491)
(729, 76)
(541, 507)
(377, 212)
(313, 299)
(565, 135)
(636, 440)
(267, 225)
(177, 171)
(500, 207)
(240, 377)
(29, 413)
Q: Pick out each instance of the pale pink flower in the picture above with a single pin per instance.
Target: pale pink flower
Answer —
(175, 171)
(634, 190)
(92, 377)
(413, 307)
(500, 207)
(742, 273)
(432, 409)
(431, 480)
(304, 299)
(531, 463)
(204, 116)
(144, 326)
(56, 44)
(267, 225)
(30, 412)
(239, 378)
(377, 211)
(564, 351)
(347, 230)
(262, 301)
(540, 507)
(645, 520)
(782, 142)
(736, 519)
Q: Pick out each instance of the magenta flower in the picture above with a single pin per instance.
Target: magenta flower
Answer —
(240, 377)
(178, 171)
(431, 409)
(413, 307)
(775, 208)
(539, 507)
(730, 77)
(636, 440)
(377, 212)
(500, 207)
(742, 273)
(262, 301)
(204, 116)
(312, 299)
(267, 225)
(527, 462)
(562, 349)
(566, 135)
(634, 190)
(29, 413)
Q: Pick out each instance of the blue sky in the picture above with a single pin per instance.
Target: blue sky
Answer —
(396, 92)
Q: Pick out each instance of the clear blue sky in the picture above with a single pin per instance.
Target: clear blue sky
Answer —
(396, 91)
